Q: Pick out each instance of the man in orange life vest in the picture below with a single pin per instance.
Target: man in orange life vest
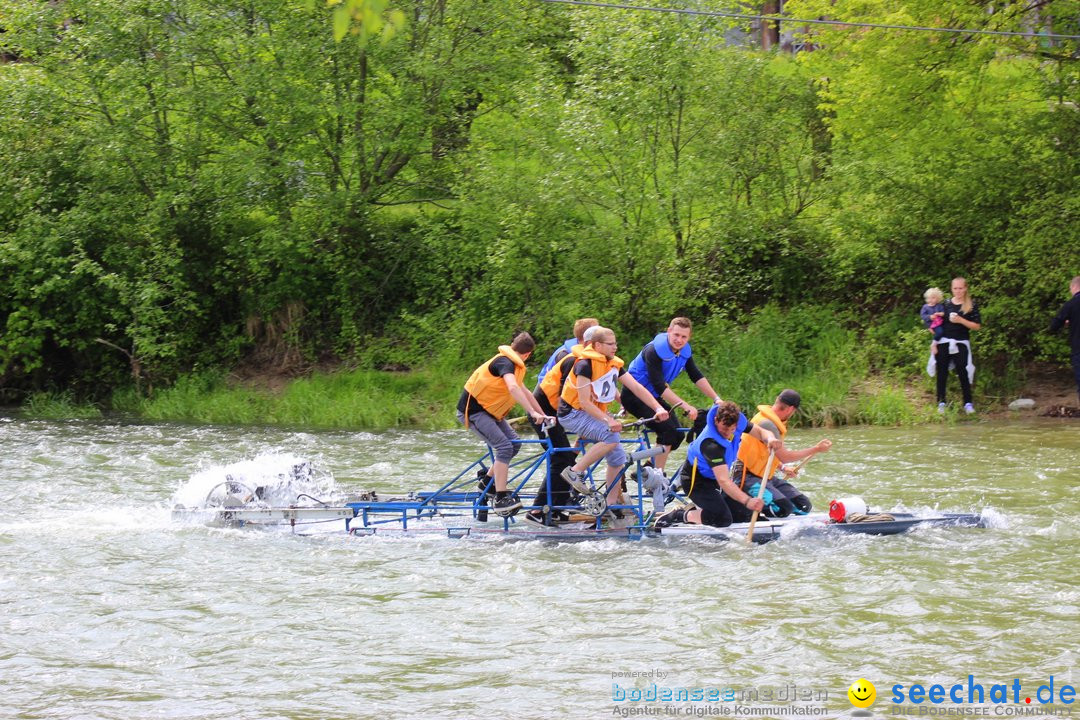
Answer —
(591, 385)
(549, 388)
(489, 395)
(753, 455)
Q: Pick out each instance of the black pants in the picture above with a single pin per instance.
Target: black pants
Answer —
(960, 362)
(717, 509)
(1076, 372)
(667, 432)
(558, 460)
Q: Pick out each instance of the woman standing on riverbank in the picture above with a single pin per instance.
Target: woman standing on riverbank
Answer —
(961, 317)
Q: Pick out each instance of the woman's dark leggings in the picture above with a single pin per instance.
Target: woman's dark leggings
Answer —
(960, 361)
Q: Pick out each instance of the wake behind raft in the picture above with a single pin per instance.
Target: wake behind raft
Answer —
(288, 491)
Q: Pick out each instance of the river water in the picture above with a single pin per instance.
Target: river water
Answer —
(112, 609)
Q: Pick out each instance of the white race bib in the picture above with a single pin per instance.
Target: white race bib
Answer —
(604, 387)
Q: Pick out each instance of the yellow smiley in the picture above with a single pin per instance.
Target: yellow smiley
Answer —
(862, 693)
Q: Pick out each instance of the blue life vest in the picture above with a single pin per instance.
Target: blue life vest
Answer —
(567, 346)
(673, 363)
(731, 447)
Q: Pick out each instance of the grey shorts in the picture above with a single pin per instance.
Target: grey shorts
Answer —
(496, 433)
(587, 427)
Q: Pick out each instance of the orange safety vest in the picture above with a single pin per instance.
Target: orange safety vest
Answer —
(754, 453)
(553, 381)
(491, 391)
(605, 374)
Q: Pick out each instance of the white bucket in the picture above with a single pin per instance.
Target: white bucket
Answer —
(843, 508)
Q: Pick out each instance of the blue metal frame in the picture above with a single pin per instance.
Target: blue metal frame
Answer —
(461, 497)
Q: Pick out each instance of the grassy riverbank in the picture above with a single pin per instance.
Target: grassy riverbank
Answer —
(844, 379)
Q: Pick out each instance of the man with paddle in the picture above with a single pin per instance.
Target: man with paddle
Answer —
(753, 455)
(704, 475)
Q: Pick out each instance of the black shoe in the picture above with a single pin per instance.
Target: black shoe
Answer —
(482, 483)
(506, 505)
(536, 517)
(673, 517)
(618, 514)
(482, 480)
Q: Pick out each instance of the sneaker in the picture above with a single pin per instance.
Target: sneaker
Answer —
(506, 505)
(536, 517)
(576, 480)
(672, 517)
(969, 408)
(941, 408)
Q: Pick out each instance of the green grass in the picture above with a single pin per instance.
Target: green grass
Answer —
(843, 379)
(346, 399)
(58, 406)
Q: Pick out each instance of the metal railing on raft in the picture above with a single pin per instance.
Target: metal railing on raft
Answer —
(464, 496)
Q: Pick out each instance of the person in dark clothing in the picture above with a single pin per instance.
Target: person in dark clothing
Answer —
(961, 317)
(718, 501)
(655, 367)
(1069, 316)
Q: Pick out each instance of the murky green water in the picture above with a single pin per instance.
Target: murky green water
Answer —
(110, 609)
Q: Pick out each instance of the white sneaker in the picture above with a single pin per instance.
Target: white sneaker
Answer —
(969, 408)
(941, 408)
(576, 480)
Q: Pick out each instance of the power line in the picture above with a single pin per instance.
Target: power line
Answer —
(804, 21)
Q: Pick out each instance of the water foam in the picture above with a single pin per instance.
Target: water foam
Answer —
(275, 479)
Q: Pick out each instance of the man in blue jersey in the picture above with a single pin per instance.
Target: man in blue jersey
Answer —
(655, 367)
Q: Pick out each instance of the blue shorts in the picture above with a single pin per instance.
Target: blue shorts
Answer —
(587, 427)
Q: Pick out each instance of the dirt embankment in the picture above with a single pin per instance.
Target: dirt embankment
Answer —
(1053, 390)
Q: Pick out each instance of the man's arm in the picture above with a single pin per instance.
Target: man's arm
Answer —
(1062, 315)
(526, 399)
(785, 455)
(766, 437)
(732, 490)
(644, 395)
(707, 389)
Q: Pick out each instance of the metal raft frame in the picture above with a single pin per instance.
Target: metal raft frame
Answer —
(463, 497)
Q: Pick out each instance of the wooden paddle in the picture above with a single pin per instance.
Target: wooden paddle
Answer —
(800, 465)
(760, 494)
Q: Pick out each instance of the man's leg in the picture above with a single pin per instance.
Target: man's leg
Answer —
(604, 439)
(1076, 373)
(502, 439)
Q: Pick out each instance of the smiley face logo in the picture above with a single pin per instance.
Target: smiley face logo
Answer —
(862, 693)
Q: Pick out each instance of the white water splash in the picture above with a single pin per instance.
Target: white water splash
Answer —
(275, 479)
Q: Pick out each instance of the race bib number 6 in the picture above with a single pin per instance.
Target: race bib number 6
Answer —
(604, 387)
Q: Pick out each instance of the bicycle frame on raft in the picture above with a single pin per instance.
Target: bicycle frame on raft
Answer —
(462, 495)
